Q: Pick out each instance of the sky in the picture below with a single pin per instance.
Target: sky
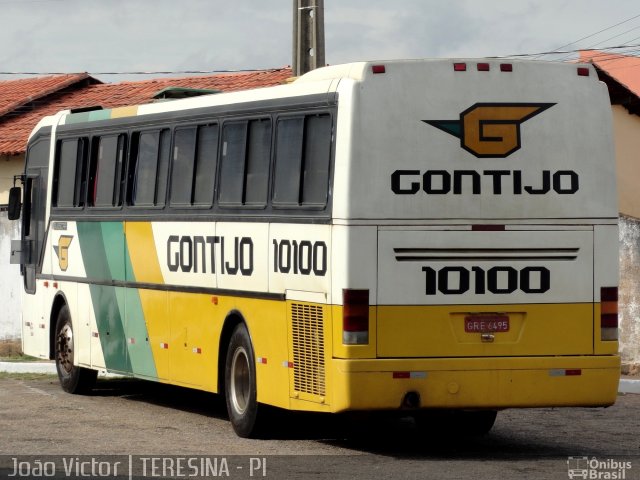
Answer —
(101, 36)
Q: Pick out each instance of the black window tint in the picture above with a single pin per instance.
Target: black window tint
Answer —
(206, 161)
(183, 164)
(234, 139)
(146, 168)
(288, 161)
(67, 172)
(317, 153)
(163, 166)
(38, 154)
(257, 168)
(105, 191)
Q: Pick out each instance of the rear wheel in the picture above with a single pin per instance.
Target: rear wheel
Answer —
(240, 384)
(74, 379)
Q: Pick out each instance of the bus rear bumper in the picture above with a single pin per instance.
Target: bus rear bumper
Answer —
(494, 383)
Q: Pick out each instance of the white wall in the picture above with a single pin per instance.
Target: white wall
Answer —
(10, 282)
(629, 301)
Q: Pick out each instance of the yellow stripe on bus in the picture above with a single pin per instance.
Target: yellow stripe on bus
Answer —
(144, 261)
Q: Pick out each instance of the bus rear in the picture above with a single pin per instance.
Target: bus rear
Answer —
(475, 213)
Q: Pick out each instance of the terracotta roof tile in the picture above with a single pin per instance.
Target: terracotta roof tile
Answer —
(16, 93)
(14, 131)
(623, 68)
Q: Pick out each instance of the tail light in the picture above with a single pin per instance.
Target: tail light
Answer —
(355, 317)
(609, 313)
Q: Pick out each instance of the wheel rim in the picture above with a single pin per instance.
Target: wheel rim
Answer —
(240, 380)
(65, 348)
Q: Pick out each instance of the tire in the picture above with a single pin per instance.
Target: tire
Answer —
(240, 384)
(73, 379)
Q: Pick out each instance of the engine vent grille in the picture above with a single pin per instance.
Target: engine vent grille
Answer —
(308, 348)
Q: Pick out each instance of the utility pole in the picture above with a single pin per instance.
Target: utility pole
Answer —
(308, 36)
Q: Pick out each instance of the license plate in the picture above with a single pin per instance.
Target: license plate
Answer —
(486, 323)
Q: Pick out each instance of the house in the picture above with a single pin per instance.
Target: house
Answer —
(24, 102)
(621, 74)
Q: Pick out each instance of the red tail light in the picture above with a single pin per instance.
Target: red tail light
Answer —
(459, 67)
(355, 317)
(609, 313)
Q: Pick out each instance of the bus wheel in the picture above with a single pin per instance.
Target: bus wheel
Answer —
(240, 384)
(73, 379)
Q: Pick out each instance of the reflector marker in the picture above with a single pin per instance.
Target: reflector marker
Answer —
(262, 360)
(565, 372)
(506, 67)
(95, 334)
(459, 67)
(131, 341)
(378, 69)
(165, 346)
(196, 350)
(583, 71)
(55, 284)
(46, 284)
(27, 324)
(287, 364)
(399, 375)
(42, 325)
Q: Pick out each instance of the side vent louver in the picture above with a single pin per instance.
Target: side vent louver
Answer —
(308, 348)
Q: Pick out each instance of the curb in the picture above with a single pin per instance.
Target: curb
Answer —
(28, 367)
(629, 386)
(41, 367)
(626, 385)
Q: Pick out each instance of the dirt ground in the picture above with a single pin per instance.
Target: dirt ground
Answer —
(124, 417)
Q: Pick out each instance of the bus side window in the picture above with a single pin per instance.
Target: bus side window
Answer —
(256, 184)
(303, 153)
(106, 170)
(317, 153)
(244, 171)
(234, 139)
(182, 167)
(286, 190)
(206, 163)
(71, 172)
(146, 167)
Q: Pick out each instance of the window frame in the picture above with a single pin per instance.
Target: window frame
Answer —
(246, 120)
(300, 206)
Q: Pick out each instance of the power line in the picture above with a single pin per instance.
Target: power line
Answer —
(557, 52)
(605, 41)
(596, 33)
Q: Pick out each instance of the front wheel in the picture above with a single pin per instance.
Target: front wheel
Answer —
(240, 384)
(74, 379)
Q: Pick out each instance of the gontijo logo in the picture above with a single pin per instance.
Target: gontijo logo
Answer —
(491, 129)
(62, 251)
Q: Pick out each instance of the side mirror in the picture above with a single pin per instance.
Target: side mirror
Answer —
(15, 196)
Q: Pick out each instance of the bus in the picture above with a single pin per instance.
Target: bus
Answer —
(433, 237)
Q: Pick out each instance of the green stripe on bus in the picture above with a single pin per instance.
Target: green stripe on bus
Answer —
(108, 302)
(119, 314)
(88, 116)
(140, 353)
